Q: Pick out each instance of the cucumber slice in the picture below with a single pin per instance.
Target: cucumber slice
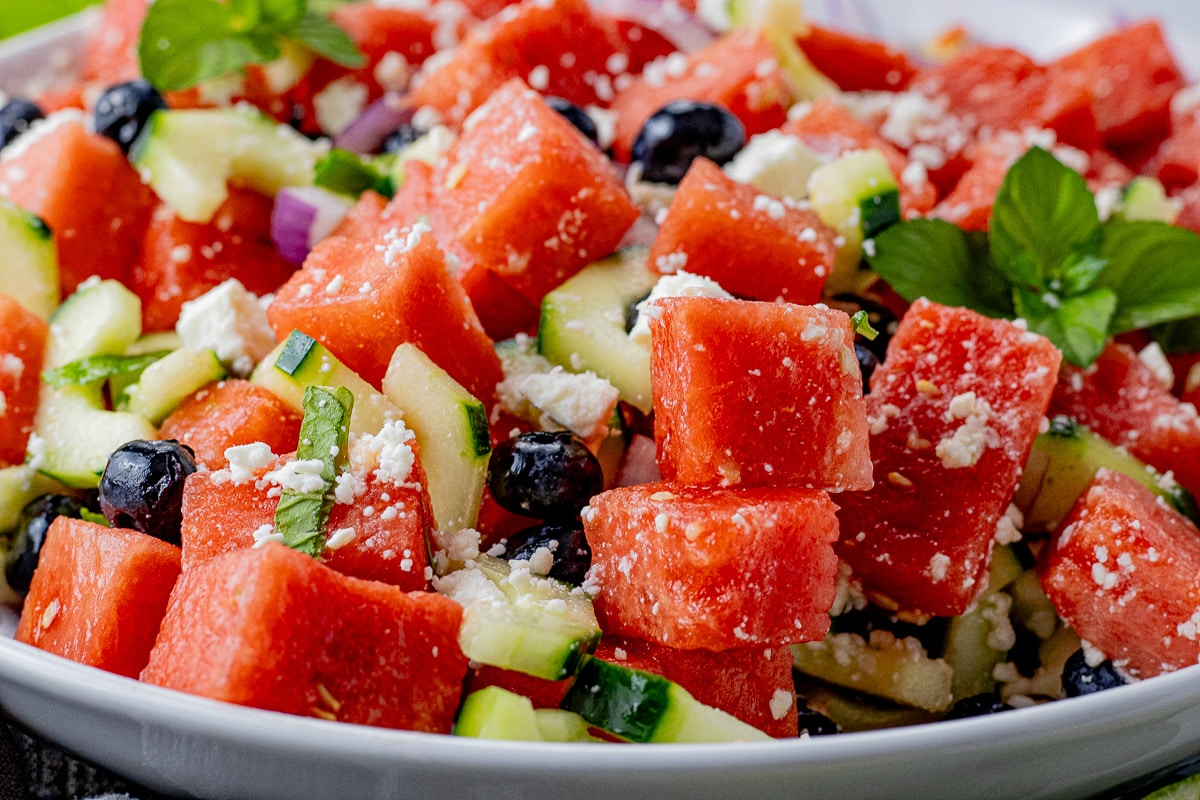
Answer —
(155, 343)
(519, 621)
(894, 669)
(1062, 464)
(583, 325)
(302, 516)
(560, 725)
(18, 486)
(189, 156)
(857, 196)
(643, 707)
(73, 436)
(451, 427)
(30, 273)
(855, 712)
(164, 384)
(1144, 198)
(1186, 789)
(495, 713)
(102, 318)
(976, 641)
(302, 361)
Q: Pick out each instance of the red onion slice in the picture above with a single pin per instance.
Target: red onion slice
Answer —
(302, 217)
(367, 132)
(680, 27)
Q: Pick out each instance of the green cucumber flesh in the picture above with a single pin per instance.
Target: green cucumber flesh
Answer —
(74, 436)
(101, 318)
(18, 486)
(582, 325)
(495, 713)
(451, 427)
(30, 273)
(895, 669)
(164, 384)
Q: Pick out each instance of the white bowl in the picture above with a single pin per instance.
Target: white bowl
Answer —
(184, 745)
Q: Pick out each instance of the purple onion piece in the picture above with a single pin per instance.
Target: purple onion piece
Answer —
(302, 217)
(366, 133)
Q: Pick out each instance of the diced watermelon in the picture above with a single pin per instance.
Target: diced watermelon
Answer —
(527, 42)
(753, 684)
(739, 71)
(969, 204)
(83, 187)
(1133, 75)
(362, 300)
(110, 51)
(1119, 397)
(716, 226)
(954, 410)
(525, 195)
(391, 525)
(1177, 162)
(182, 260)
(831, 130)
(22, 346)
(856, 63)
(544, 693)
(757, 394)
(273, 628)
(712, 569)
(1189, 214)
(1123, 572)
(364, 219)
(228, 413)
(98, 595)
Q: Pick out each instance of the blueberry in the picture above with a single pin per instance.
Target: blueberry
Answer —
(30, 534)
(15, 118)
(401, 138)
(976, 705)
(813, 723)
(1078, 678)
(544, 475)
(565, 540)
(576, 116)
(142, 487)
(681, 131)
(122, 111)
(867, 363)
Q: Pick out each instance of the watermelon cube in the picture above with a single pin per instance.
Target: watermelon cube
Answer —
(362, 299)
(753, 684)
(273, 628)
(716, 226)
(954, 410)
(21, 350)
(524, 194)
(230, 413)
(716, 569)
(1122, 570)
(1120, 398)
(99, 595)
(757, 394)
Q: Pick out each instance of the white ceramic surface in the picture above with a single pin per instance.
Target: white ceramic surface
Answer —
(190, 746)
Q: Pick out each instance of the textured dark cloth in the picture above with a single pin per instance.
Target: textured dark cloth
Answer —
(31, 769)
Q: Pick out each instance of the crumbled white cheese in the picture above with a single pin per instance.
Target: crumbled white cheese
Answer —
(245, 459)
(965, 446)
(302, 476)
(387, 454)
(229, 320)
(339, 104)
(582, 403)
(775, 163)
(680, 284)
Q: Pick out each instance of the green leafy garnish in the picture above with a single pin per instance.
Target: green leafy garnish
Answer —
(302, 516)
(861, 322)
(344, 172)
(96, 369)
(1049, 260)
(87, 515)
(186, 42)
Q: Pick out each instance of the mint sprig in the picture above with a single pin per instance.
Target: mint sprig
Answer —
(186, 42)
(1048, 259)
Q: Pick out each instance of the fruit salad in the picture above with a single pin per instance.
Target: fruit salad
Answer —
(581, 372)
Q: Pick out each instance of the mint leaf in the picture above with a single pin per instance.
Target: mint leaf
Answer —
(1155, 270)
(1077, 325)
(87, 515)
(95, 369)
(1180, 336)
(939, 261)
(861, 321)
(186, 42)
(1043, 216)
(327, 40)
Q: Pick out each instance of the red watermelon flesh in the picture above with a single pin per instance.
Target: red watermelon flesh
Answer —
(98, 595)
(757, 394)
(1120, 398)
(954, 410)
(83, 187)
(713, 569)
(856, 63)
(753, 684)
(1122, 570)
(222, 511)
(273, 628)
(542, 692)
(230, 413)
(22, 346)
(716, 227)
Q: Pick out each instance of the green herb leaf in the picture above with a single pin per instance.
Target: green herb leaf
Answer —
(87, 515)
(186, 42)
(344, 172)
(1077, 325)
(1181, 336)
(1155, 270)
(862, 325)
(1044, 217)
(89, 371)
(934, 259)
